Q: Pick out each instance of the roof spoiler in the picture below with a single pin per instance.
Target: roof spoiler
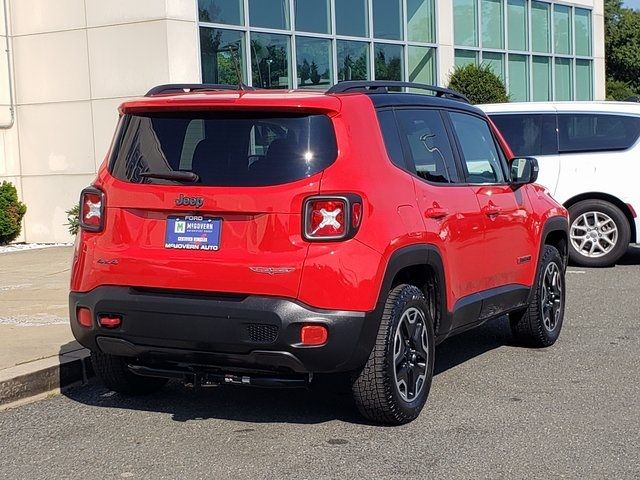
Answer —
(194, 87)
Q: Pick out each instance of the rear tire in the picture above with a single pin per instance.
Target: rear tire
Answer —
(595, 225)
(114, 372)
(394, 384)
(540, 323)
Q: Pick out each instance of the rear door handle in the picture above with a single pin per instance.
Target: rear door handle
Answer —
(436, 213)
(491, 210)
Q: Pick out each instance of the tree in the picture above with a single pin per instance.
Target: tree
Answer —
(313, 74)
(304, 71)
(11, 212)
(479, 84)
(622, 46)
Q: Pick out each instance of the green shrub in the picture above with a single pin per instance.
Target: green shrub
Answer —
(619, 90)
(73, 217)
(479, 84)
(12, 211)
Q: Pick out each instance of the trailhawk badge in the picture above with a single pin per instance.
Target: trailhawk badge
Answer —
(272, 270)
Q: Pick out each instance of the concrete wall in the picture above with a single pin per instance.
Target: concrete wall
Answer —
(74, 62)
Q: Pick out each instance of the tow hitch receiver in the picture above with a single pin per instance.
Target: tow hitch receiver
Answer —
(198, 379)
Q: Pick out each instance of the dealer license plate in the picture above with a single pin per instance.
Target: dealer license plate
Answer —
(193, 232)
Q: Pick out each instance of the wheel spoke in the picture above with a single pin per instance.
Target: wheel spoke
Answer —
(401, 374)
(411, 386)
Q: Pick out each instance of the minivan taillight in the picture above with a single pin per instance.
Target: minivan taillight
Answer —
(91, 209)
(331, 217)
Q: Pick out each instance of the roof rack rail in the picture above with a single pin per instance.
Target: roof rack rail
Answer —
(193, 87)
(382, 86)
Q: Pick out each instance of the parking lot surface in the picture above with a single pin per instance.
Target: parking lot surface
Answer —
(495, 411)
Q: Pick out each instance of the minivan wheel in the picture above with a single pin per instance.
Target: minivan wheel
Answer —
(114, 372)
(540, 323)
(599, 233)
(394, 384)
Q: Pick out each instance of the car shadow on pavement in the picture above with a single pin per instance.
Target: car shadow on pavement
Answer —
(632, 257)
(326, 401)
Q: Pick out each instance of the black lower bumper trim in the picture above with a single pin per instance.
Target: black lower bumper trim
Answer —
(211, 379)
(253, 332)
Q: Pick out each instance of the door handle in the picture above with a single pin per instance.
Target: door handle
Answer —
(436, 213)
(491, 210)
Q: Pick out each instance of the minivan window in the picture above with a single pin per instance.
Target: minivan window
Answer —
(223, 149)
(528, 134)
(427, 144)
(482, 161)
(588, 132)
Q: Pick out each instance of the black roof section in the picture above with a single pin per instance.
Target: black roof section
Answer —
(385, 94)
(383, 86)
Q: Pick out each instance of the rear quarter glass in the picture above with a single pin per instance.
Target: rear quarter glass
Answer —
(222, 148)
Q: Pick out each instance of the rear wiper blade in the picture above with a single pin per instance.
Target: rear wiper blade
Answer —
(176, 175)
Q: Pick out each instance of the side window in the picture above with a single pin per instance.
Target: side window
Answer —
(428, 145)
(586, 132)
(528, 135)
(391, 137)
(481, 159)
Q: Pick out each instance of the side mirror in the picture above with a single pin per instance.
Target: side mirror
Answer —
(524, 170)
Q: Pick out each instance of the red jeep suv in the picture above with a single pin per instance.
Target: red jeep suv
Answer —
(240, 236)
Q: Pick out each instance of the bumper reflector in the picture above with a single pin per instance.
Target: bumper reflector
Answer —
(84, 317)
(313, 335)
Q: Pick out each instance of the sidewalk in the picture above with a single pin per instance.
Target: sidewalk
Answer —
(37, 350)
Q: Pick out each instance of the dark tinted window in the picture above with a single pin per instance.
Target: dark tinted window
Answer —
(529, 135)
(391, 137)
(482, 159)
(428, 145)
(224, 149)
(584, 132)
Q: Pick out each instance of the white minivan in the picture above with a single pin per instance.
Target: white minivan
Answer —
(589, 157)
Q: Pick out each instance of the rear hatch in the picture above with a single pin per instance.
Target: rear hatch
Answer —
(211, 200)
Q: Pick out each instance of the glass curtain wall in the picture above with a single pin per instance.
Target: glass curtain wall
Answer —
(315, 43)
(541, 49)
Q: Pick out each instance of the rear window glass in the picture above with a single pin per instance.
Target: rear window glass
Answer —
(586, 132)
(222, 149)
(529, 135)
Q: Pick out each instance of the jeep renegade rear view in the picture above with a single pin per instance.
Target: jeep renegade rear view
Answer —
(239, 236)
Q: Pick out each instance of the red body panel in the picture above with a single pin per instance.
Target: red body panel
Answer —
(481, 232)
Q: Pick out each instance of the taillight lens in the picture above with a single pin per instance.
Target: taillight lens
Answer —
(326, 218)
(92, 209)
(332, 218)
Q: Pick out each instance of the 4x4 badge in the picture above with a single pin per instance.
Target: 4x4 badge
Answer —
(183, 201)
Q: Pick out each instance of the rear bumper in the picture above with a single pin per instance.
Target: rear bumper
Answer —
(243, 332)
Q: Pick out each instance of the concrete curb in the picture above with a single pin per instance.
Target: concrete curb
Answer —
(34, 378)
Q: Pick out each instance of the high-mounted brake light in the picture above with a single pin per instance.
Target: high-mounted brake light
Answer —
(332, 217)
(92, 209)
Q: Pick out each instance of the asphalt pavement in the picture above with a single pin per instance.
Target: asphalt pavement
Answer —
(496, 410)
